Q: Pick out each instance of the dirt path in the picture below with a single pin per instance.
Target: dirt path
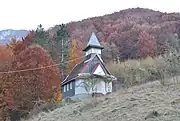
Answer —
(148, 102)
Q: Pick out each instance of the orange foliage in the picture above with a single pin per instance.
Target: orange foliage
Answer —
(24, 88)
(19, 46)
(33, 84)
(5, 55)
(12, 43)
(3, 107)
(6, 100)
(74, 55)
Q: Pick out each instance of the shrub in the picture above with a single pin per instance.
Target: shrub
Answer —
(133, 72)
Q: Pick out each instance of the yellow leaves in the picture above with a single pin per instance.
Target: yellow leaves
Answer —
(12, 44)
(73, 54)
(5, 56)
(57, 98)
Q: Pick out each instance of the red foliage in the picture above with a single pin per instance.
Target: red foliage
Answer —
(124, 26)
(6, 99)
(3, 108)
(21, 45)
(39, 80)
(9, 99)
(147, 45)
(5, 55)
(35, 84)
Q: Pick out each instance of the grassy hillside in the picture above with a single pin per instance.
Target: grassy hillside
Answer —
(135, 72)
(129, 36)
(151, 102)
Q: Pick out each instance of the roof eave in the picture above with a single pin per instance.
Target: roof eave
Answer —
(93, 46)
(67, 81)
(69, 74)
(86, 75)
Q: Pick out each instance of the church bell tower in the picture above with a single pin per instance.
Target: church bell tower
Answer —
(93, 46)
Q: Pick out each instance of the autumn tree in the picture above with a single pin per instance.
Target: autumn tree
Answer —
(33, 85)
(40, 80)
(19, 46)
(3, 106)
(21, 90)
(5, 55)
(6, 99)
(56, 44)
(12, 43)
(73, 55)
(147, 45)
(128, 50)
(44, 38)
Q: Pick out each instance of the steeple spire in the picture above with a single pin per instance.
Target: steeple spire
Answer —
(93, 46)
(93, 43)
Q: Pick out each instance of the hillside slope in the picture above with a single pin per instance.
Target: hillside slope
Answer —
(133, 104)
(127, 34)
(124, 33)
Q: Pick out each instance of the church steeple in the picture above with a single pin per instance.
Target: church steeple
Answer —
(93, 46)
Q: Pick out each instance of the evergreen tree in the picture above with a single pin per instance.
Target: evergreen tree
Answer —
(58, 48)
(174, 42)
(62, 47)
(41, 37)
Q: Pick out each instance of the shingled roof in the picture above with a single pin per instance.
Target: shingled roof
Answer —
(86, 66)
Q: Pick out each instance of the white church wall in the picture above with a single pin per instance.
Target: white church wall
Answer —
(99, 70)
(93, 50)
(101, 87)
(79, 88)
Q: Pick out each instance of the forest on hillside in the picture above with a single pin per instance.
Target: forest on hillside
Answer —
(129, 34)
(43, 58)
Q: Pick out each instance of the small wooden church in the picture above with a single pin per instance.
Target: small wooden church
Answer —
(93, 66)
